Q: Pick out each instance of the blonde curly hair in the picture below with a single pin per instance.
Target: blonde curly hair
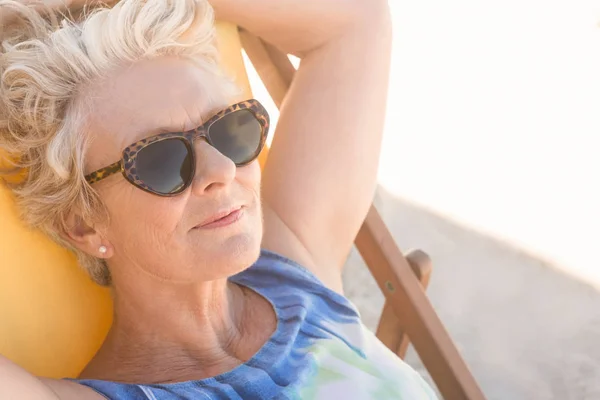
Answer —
(46, 62)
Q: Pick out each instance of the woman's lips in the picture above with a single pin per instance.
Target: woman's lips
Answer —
(222, 219)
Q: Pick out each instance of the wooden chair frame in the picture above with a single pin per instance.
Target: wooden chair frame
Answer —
(407, 312)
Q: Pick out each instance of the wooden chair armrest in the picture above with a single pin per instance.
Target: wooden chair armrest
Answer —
(390, 330)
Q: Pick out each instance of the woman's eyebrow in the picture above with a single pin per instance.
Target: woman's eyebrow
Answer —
(141, 134)
(168, 128)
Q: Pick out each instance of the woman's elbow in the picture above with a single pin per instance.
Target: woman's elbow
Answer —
(369, 11)
(371, 16)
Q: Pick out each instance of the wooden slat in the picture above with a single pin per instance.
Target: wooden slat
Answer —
(419, 320)
(390, 329)
(392, 272)
(277, 83)
(421, 266)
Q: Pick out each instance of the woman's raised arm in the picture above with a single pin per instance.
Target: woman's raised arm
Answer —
(321, 172)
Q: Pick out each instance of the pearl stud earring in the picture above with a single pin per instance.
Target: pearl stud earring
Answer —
(102, 249)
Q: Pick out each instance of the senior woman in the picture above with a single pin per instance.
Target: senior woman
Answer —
(226, 284)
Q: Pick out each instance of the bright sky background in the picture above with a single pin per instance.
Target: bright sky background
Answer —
(494, 121)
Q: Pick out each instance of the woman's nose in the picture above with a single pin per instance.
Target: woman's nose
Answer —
(213, 169)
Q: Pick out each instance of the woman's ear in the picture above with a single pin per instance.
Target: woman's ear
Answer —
(85, 237)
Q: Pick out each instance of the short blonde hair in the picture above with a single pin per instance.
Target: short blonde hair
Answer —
(46, 62)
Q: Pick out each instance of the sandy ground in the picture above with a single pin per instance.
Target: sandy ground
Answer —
(526, 330)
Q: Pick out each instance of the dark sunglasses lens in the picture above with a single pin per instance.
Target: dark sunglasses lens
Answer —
(237, 135)
(165, 166)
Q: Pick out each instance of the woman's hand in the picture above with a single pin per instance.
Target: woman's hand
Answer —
(321, 172)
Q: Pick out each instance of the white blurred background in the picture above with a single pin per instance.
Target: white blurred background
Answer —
(494, 120)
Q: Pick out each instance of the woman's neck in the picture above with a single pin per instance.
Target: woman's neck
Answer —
(165, 333)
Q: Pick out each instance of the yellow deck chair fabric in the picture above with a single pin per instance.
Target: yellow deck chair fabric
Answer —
(53, 318)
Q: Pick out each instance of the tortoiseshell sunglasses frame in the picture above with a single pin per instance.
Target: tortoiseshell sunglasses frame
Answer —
(126, 165)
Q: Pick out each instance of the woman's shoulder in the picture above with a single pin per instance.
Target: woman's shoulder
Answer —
(287, 283)
(69, 390)
(273, 271)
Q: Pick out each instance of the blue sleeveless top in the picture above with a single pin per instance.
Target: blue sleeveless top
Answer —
(319, 350)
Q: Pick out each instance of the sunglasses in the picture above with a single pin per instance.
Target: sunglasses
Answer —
(165, 164)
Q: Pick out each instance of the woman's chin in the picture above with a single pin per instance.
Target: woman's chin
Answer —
(229, 249)
(230, 256)
(241, 249)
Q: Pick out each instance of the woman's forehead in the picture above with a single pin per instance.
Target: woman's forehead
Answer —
(152, 96)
